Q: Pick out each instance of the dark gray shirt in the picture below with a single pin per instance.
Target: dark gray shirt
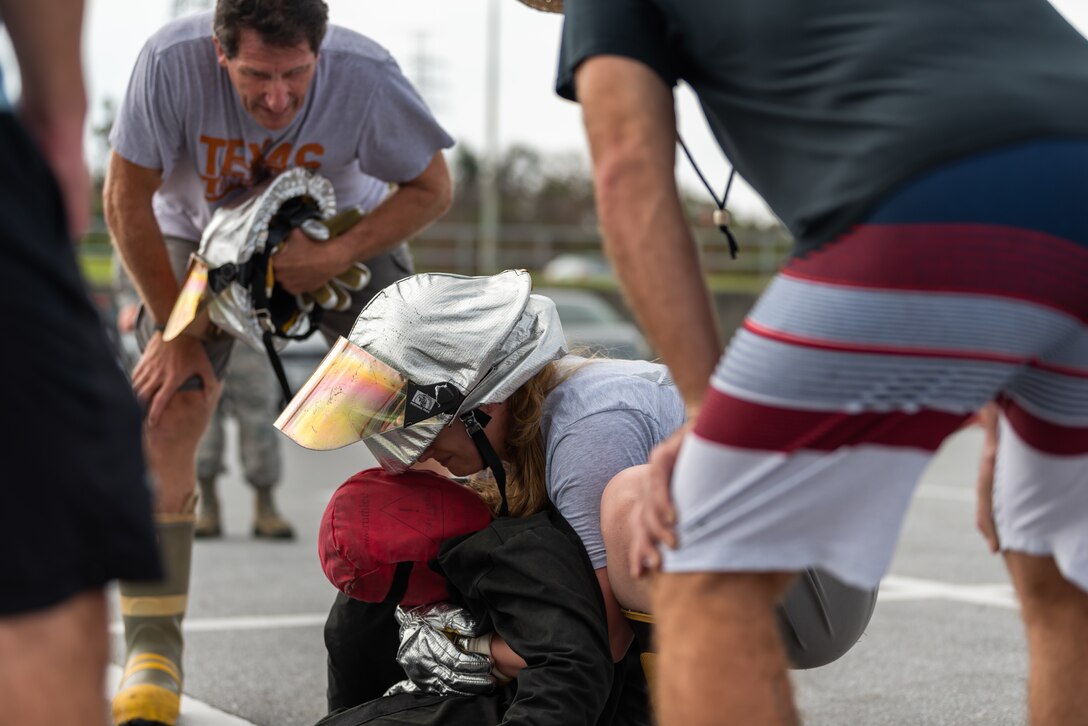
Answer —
(825, 107)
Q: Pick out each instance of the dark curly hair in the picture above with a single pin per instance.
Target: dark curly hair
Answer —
(279, 22)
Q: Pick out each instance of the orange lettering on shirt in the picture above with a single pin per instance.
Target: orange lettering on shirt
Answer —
(213, 188)
(214, 145)
(234, 161)
(227, 162)
(277, 160)
(315, 149)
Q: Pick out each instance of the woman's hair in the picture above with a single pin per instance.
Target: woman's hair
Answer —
(526, 480)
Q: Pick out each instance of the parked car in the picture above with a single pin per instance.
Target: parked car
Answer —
(592, 324)
(576, 268)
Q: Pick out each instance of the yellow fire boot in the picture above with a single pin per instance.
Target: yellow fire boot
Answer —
(150, 689)
(207, 519)
(267, 522)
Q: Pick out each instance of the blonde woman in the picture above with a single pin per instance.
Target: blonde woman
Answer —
(479, 379)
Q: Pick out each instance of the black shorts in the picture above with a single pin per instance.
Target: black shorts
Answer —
(75, 505)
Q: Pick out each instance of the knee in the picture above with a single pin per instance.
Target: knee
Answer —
(618, 501)
(183, 423)
(1046, 596)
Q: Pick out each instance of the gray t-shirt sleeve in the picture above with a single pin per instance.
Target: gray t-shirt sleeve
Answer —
(399, 135)
(580, 465)
(147, 130)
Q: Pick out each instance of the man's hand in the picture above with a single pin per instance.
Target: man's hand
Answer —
(984, 514)
(164, 367)
(654, 518)
(302, 264)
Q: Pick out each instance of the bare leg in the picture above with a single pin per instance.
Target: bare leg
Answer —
(150, 689)
(720, 656)
(53, 664)
(171, 449)
(1055, 614)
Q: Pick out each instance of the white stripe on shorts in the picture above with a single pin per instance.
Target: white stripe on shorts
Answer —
(1039, 504)
(807, 525)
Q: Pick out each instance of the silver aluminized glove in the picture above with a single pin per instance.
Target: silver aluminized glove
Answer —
(336, 293)
(405, 686)
(431, 659)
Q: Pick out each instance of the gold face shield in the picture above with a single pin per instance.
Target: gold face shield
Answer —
(352, 395)
(190, 310)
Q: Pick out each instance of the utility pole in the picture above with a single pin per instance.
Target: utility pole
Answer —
(426, 74)
(185, 7)
(487, 258)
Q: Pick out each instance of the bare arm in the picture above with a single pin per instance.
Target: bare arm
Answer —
(164, 366)
(126, 199)
(631, 127)
(304, 265)
(47, 35)
(506, 661)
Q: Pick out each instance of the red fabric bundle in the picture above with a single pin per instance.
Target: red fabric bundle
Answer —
(376, 520)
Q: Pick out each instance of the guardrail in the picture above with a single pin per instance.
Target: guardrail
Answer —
(452, 247)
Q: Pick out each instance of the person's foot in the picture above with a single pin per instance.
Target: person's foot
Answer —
(149, 693)
(207, 518)
(207, 526)
(268, 523)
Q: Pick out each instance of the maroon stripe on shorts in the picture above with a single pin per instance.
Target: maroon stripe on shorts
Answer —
(876, 349)
(968, 258)
(730, 421)
(1044, 436)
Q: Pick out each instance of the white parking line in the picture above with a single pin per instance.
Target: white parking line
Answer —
(193, 712)
(218, 625)
(892, 589)
(998, 595)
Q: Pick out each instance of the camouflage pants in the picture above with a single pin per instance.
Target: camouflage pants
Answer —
(250, 396)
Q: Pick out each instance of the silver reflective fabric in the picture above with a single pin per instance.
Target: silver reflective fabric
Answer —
(429, 657)
(485, 335)
(239, 229)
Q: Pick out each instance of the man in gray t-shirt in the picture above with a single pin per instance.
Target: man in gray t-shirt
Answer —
(216, 103)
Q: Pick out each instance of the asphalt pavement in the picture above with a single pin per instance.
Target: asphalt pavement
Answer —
(945, 645)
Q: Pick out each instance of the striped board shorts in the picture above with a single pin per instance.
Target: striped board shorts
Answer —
(970, 284)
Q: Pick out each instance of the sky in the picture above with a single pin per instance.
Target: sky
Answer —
(442, 47)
